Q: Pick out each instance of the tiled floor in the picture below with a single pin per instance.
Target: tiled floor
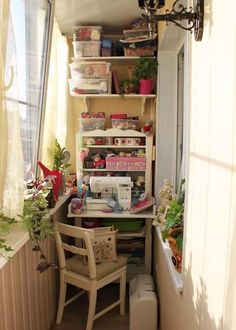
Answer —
(75, 314)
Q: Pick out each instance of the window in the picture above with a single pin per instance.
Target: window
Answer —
(29, 31)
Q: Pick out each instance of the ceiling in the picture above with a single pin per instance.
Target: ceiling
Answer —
(112, 15)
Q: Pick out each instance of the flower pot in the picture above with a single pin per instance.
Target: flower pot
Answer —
(145, 86)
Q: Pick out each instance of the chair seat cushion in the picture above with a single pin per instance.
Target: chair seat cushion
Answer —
(105, 268)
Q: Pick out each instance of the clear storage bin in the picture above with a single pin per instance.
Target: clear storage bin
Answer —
(140, 51)
(90, 124)
(86, 48)
(87, 33)
(125, 124)
(88, 86)
(89, 69)
(135, 33)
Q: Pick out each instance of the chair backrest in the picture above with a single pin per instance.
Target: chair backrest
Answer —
(77, 232)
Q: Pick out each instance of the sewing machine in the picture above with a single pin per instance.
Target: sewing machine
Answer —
(107, 186)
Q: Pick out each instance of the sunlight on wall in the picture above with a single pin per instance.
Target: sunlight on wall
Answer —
(211, 209)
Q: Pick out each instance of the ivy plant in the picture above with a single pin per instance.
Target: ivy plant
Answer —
(37, 221)
(5, 225)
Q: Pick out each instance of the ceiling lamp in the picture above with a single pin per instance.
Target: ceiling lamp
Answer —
(193, 16)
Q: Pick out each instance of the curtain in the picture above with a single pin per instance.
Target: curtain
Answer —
(4, 14)
(55, 119)
(11, 155)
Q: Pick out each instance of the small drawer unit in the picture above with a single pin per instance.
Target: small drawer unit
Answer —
(143, 303)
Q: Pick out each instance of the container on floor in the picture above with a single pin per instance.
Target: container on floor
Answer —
(143, 303)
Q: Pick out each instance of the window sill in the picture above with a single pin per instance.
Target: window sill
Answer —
(176, 277)
(19, 235)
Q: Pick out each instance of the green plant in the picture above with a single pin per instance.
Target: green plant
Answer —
(5, 224)
(145, 68)
(128, 86)
(61, 156)
(37, 221)
(174, 218)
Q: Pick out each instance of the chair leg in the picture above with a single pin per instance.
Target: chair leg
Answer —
(122, 292)
(62, 297)
(92, 307)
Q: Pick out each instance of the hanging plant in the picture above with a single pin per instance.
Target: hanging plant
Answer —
(5, 225)
(39, 224)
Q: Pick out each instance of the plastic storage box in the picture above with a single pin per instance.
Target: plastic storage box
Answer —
(125, 123)
(124, 224)
(143, 303)
(87, 33)
(86, 48)
(88, 86)
(139, 51)
(135, 33)
(80, 70)
(90, 124)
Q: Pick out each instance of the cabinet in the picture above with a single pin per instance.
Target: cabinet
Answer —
(134, 147)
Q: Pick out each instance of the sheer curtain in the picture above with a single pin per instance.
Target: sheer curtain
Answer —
(11, 155)
(55, 119)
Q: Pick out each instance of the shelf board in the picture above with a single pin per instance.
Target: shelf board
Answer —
(108, 170)
(114, 59)
(106, 146)
(87, 97)
(149, 213)
(112, 132)
(175, 276)
(116, 96)
(132, 234)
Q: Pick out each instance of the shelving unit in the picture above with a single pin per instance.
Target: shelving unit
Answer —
(145, 105)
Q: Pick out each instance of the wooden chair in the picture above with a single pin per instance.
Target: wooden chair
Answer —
(89, 277)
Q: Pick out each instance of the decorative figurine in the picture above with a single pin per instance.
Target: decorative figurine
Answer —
(98, 162)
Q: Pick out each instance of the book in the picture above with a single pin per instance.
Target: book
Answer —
(142, 205)
(115, 82)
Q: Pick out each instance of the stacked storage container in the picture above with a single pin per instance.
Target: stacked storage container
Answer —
(138, 42)
(88, 77)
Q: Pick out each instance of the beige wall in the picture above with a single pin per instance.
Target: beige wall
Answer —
(209, 297)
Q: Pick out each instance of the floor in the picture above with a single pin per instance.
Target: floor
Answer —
(75, 314)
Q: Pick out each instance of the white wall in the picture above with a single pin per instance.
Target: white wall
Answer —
(209, 297)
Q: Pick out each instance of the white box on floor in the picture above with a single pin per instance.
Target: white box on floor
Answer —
(143, 303)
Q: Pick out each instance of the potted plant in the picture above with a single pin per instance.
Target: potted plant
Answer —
(128, 86)
(60, 163)
(173, 227)
(144, 72)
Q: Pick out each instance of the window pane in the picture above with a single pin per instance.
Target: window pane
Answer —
(30, 20)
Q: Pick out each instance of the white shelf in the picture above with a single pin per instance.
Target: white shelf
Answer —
(114, 59)
(108, 170)
(115, 96)
(112, 132)
(149, 213)
(142, 98)
(177, 278)
(114, 146)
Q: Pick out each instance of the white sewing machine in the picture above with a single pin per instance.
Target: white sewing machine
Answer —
(107, 186)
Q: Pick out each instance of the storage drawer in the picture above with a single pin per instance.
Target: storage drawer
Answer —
(88, 86)
(87, 33)
(91, 70)
(86, 48)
